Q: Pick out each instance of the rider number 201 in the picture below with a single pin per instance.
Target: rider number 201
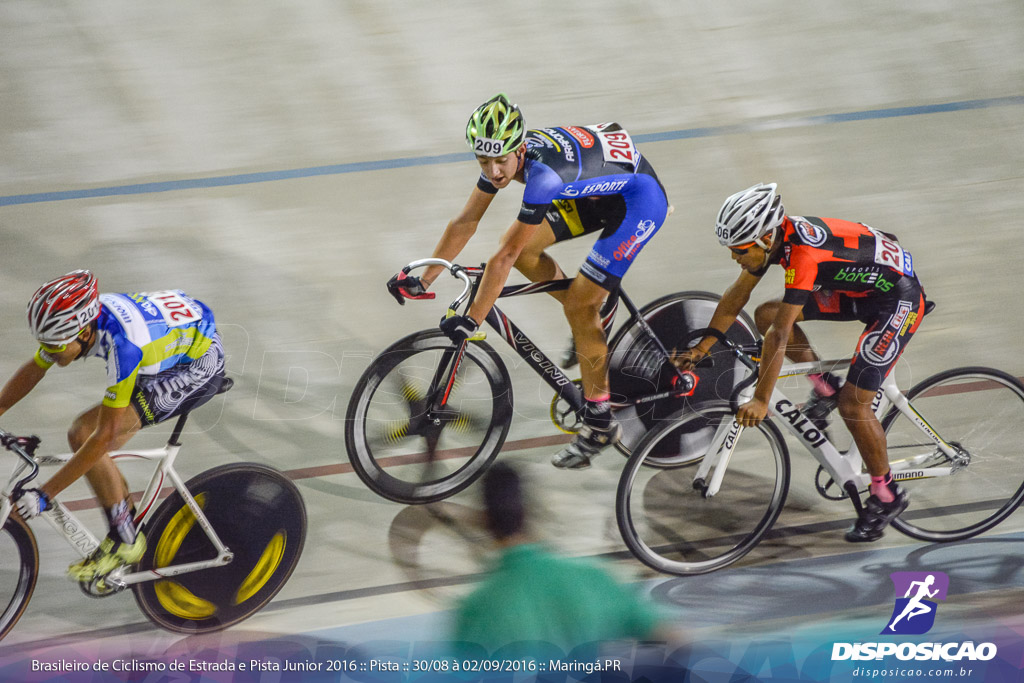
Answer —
(174, 309)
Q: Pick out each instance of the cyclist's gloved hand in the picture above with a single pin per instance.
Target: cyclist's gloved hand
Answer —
(403, 287)
(459, 328)
(31, 502)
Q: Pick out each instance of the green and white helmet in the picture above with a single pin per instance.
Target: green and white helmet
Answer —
(496, 128)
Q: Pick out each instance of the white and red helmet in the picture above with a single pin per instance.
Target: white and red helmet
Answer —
(62, 308)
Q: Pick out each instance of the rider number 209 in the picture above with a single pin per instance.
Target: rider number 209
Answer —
(618, 147)
(488, 147)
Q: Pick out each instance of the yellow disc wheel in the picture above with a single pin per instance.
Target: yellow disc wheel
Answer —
(258, 515)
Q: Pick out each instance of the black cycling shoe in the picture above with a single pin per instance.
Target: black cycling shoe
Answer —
(818, 408)
(876, 516)
(587, 443)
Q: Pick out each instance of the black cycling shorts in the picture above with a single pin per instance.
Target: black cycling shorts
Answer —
(890, 321)
(179, 389)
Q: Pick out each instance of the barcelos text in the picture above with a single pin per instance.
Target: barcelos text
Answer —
(865, 276)
(801, 424)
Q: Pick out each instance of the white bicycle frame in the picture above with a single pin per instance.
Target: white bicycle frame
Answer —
(84, 542)
(843, 467)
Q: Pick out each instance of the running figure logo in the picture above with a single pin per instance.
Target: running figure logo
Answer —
(914, 612)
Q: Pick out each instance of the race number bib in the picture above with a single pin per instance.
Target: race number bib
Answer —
(175, 309)
(486, 147)
(616, 144)
(889, 253)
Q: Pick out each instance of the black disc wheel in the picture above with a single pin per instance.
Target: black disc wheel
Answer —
(636, 366)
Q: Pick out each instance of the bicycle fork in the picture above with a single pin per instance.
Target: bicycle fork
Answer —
(716, 462)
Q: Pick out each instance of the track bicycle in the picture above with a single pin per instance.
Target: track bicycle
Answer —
(954, 442)
(426, 417)
(219, 547)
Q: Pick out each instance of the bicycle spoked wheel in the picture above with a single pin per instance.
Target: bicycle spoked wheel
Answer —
(980, 412)
(402, 445)
(257, 513)
(19, 569)
(672, 527)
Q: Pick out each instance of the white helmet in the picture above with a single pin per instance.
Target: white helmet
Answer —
(749, 215)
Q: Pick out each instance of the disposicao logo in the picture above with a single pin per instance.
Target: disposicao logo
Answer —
(916, 593)
(914, 614)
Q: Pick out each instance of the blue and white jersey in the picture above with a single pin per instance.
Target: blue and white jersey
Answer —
(145, 333)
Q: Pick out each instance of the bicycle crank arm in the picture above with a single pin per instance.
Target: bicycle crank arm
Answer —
(687, 389)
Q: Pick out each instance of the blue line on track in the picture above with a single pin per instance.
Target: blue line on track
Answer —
(406, 162)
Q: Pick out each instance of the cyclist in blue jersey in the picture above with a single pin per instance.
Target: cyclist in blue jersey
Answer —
(163, 357)
(579, 180)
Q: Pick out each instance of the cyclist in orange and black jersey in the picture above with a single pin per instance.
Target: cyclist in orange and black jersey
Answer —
(834, 270)
(826, 256)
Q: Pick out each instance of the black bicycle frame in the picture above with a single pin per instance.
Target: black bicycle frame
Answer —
(531, 353)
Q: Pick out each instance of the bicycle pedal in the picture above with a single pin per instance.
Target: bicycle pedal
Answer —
(102, 586)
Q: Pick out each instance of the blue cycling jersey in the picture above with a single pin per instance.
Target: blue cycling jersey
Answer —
(143, 334)
(564, 165)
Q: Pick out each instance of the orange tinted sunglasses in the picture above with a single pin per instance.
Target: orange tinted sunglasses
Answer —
(741, 249)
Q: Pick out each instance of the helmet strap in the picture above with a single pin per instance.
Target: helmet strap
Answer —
(86, 344)
(521, 157)
(770, 242)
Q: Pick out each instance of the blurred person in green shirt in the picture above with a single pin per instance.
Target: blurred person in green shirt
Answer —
(536, 595)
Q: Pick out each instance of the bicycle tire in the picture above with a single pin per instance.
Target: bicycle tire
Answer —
(988, 424)
(19, 570)
(393, 463)
(634, 366)
(258, 513)
(671, 527)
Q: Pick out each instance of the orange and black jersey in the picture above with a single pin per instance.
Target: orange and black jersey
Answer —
(839, 256)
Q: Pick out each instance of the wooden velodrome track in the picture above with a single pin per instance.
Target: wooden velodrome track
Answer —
(282, 162)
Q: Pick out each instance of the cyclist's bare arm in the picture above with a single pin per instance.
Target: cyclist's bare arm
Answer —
(728, 309)
(499, 266)
(460, 229)
(21, 382)
(112, 425)
(773, 354)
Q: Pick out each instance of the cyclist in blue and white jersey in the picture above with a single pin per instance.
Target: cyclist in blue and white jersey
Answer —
(163, 357)
(579, 180)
